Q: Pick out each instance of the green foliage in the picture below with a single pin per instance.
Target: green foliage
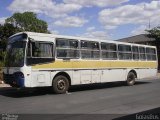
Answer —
(154, 33)
(28, 21)
(6, 31)
(2, 56)
(20, 22)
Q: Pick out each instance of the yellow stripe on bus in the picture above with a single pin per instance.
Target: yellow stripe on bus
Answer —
(96, 64)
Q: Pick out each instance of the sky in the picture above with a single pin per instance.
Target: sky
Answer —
(100, 19)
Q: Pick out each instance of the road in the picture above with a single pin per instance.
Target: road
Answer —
(110, 98)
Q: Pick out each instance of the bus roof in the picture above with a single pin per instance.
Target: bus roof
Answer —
(77, 38)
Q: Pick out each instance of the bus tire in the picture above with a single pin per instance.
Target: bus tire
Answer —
(131, 79)
(60, 84)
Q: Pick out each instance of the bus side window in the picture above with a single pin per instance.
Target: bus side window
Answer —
(125, 52)
(42, 50)
(142, 53)
(109, 50)
(39, 52)
(67, 48)
(135, 52)
(151, 54)
(85, 54)
(90, 50)
(95, 53)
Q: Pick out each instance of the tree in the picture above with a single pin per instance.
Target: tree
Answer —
(19, 22)
(6, 31)
(28, 21)
(154, 33)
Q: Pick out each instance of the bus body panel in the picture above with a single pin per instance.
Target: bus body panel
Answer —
(81, 71)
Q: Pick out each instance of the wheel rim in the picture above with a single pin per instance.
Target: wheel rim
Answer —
(61, 85)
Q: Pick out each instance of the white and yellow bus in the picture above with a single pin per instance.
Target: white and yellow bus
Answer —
(37, 59)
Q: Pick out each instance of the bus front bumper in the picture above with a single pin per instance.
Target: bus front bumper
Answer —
(13, 80)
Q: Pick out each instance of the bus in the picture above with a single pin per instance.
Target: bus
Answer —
(39, 60)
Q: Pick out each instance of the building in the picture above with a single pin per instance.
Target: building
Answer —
(139, 39)
(144, 39)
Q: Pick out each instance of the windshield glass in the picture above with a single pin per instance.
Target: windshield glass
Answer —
(15, 53)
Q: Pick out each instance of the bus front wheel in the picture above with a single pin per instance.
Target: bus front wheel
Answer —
(60, 84)
(131, 79)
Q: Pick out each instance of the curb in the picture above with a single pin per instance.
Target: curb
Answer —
(4, 85)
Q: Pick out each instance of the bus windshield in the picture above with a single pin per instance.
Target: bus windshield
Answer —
(15, 53)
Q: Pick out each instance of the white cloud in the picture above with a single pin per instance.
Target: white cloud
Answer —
(61, 10)
(2, 20)
(71, 21)
(130, 14)
(97, 35)
(31, 5)
(152, 6)
(99, 3)
(91, 32)
(47, 7)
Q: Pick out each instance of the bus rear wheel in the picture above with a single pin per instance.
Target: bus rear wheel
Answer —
(131, 79)
(60, 84)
